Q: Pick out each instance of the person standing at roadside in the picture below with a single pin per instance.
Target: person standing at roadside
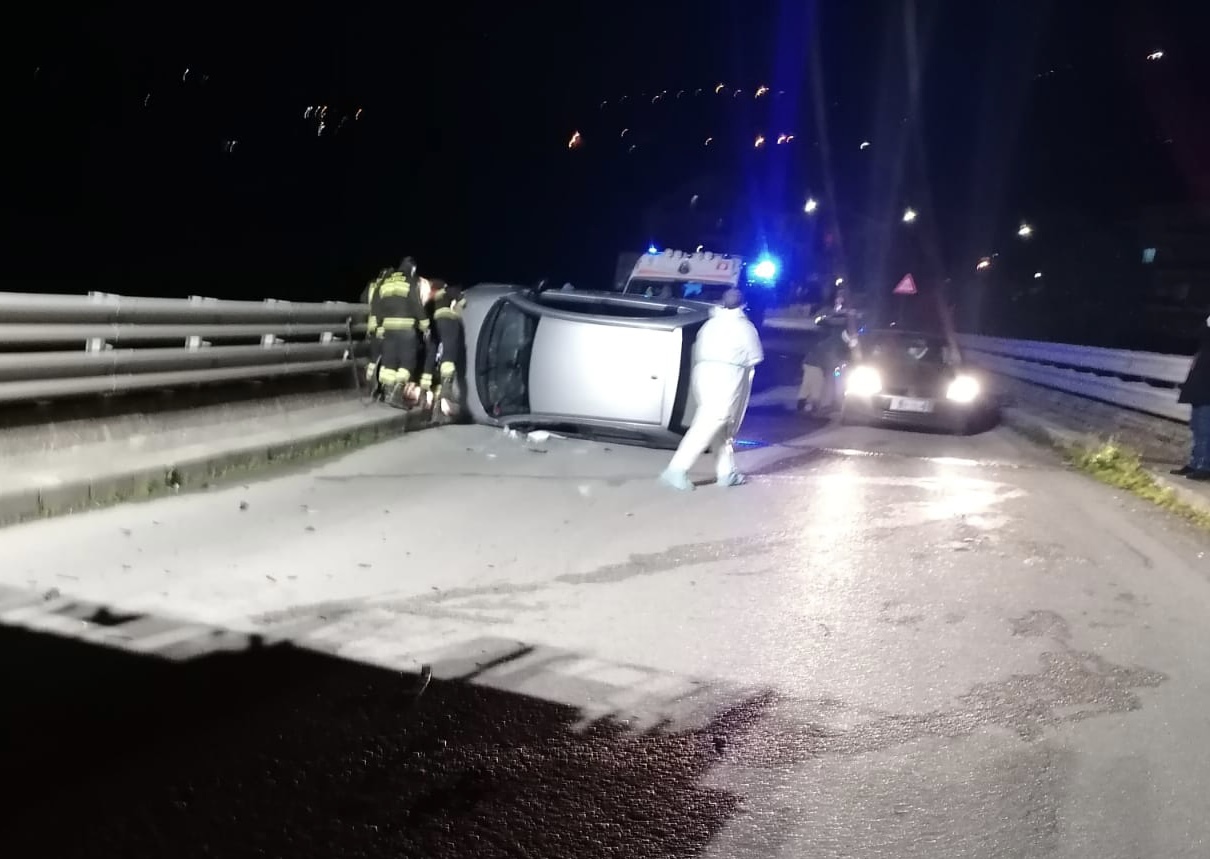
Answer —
(726, 352)
(1196, 392)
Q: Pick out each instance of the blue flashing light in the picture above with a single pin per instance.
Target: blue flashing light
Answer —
(652, 249)
(765, 269)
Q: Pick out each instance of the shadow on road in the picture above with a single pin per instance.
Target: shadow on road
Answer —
(275, 750)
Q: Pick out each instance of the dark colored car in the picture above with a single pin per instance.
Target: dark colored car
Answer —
(910, 379)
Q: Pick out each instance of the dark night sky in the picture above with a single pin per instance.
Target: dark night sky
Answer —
(118, 172)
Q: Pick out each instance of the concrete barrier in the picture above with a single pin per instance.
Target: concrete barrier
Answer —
(54, 468)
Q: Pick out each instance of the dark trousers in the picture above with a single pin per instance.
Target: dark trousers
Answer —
(398, 356)
(1199, 458)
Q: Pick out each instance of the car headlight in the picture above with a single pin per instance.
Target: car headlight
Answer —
(863, 382)
(964, 389)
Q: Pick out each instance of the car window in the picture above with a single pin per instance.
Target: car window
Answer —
(505, 374)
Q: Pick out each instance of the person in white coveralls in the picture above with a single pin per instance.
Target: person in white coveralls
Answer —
(726, 353)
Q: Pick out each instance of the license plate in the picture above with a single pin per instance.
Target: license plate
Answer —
(910, 404)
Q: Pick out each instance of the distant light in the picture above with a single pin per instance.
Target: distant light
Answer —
(624, 130)
(652, 249)
(708, 141)
(1025, 231)
(789, 137)
(357, 115)
(699, 249)
(865, 144)
(737, 93)
(632, 148)
(781, 138)
(693, 200)
(810, 206)
(840, 281)
(765, 269)
(760, 141)
(1155, 55)
(719, 89)
(909, 215)
(1148, 256)
(983, 264)
(575, 141)
(761, 90)
(185, 76)
(1037, 275)
(320, 129)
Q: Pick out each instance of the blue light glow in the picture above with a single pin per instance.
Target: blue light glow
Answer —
(652, 249)
(765, 269)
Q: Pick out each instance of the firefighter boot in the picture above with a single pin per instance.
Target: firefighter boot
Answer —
(394, 395)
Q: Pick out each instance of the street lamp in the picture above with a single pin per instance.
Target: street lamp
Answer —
(840, 281)
(810, 206)
(983, 264)
(1025, 231)
(909, 215)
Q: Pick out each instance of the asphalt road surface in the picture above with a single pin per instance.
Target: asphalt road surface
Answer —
(887, 644)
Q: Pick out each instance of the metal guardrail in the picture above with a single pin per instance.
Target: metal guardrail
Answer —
(1145, 381)
(55, 346)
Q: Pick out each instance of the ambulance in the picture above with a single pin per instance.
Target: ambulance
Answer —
(702, 276)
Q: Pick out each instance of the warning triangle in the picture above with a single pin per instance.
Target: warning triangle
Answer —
(907, 286)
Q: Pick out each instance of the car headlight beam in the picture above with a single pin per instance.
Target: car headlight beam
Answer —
(863, 382)
(964, 389)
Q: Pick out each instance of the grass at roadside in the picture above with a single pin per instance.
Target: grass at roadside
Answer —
(1121, 467)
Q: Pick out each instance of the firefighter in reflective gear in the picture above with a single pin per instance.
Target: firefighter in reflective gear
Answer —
(418, 392)
(399, 314)
(371, 297)
(445, 340)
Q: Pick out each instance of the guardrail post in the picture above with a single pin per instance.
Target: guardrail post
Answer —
(194, 343)
(98, 344)
(268, 340)
(327, 336)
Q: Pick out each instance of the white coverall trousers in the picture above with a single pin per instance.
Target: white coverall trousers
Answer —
(721, 392)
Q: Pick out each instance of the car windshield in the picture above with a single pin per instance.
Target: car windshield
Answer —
(906, 349)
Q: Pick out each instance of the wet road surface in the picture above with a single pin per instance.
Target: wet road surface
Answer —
(886, 645)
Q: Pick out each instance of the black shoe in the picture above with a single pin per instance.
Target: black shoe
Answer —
(1182, 471)
(1200, 476)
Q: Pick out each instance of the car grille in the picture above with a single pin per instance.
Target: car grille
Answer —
(922, 392)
